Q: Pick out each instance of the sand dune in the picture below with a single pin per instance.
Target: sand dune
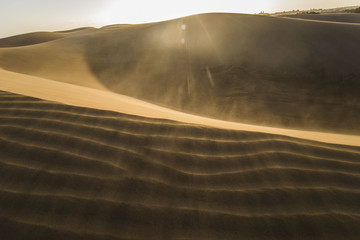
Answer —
(59, 59)
(30, 39)
(253, 69)
(331, 17)
(82, 173)
(38, 37)
(93, 98)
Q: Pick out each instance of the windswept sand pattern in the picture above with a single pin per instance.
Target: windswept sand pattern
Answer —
(69, 172)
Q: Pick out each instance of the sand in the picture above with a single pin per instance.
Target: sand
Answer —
(82, 173)
(95, 141)
(338, 18)
(250, 69)
(58, 59)
(93, 98)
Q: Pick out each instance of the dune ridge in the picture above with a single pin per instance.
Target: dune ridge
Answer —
(74, 95)
(342, 18)
(28, 39)
(95, 174)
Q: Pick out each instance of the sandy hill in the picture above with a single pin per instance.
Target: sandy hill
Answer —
(333, 17)
(71, 172)
(37, 37)
(60, 58)
(253, 69)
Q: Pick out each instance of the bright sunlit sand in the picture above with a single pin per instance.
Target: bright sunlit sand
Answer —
(88, 97)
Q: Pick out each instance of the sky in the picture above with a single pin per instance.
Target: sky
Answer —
(21, 16)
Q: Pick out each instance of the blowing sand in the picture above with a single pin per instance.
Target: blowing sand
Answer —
(88, 97)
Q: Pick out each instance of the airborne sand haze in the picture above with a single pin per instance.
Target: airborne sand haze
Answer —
(87, 97)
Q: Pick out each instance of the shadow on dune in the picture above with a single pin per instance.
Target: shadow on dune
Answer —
(70, 172)
(244, 68)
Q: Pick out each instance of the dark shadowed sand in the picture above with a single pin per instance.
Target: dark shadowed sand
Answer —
(80, 173)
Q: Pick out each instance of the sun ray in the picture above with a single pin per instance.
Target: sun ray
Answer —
(210, 39)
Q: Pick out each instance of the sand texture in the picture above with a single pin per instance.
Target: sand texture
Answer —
(79, 173)
(212, 126)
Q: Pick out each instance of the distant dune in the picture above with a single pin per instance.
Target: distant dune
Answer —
(79, 173)
(254, 69)
(332, 17)
(37, 37)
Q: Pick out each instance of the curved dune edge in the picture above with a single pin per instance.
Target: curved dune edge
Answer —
(87, 97)
(321, 21)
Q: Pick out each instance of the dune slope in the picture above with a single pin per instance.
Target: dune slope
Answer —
(71, 94)
(333, 17)
(81, 173)
(254, 69)
(246, 68)
(36, 38)
(60, 59)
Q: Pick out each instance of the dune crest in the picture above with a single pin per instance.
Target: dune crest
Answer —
(339, 18)
(88, 97)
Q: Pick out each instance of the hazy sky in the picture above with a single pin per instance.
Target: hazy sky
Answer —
(20, 16)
